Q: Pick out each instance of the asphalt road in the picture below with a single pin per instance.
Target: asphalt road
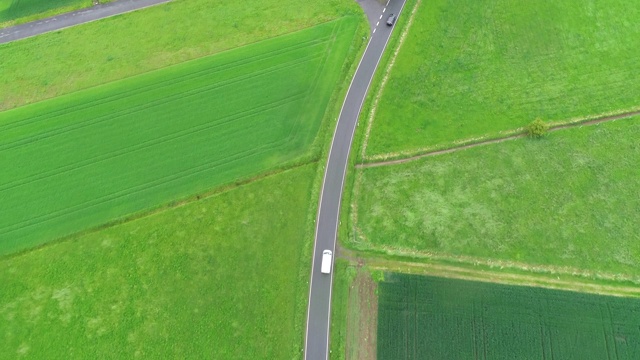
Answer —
(319, 310)
(73, 18)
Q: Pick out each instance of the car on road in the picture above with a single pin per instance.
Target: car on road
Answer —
(391, 19)
(325, 268)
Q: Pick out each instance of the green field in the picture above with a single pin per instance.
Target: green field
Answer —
(11, 10)
(68, 60)
(436, 318)
(469, 70)
(87, 158)
(569, 200)
(220, 278)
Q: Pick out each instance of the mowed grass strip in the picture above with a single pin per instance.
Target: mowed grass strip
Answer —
(84, 159)
(220, 278)
(475, 70)
(423, 317)
(569, 200)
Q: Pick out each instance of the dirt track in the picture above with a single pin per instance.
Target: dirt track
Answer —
(494, 141)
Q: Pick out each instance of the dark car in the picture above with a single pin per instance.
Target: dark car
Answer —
(391, 19)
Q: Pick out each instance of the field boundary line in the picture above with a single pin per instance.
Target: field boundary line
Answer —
(146, 144)
(419, 256)
(163, 83)
(385, 78)
(161, 208)
(126, 111)
(519, 133)
(486, 275)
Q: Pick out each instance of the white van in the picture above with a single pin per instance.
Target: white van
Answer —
(326, 262)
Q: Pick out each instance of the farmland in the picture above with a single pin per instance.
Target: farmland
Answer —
(224, 277)
(474, 70)
(20, 9)
(48, 65)
(437, 318)
(567, 203)
(134, 144)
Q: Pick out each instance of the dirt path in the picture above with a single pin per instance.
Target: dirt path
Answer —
(596, 120)
(550, 280)
(362, 319)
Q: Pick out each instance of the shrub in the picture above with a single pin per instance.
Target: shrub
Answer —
(537, 128)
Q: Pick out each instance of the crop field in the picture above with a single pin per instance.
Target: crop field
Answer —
(437, 318)
(224, 277)
(15, 9)
(47, 65)
(568, 200)
(87, 158)
(473, 70)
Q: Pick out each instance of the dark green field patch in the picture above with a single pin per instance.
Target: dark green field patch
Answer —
(432, 318)
(86, 158)
(15, 9)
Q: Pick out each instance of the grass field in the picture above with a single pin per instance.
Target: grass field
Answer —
(84, 159)
(220, 278)
(469, 70)
(84, 56)
(569, 200)
(436, 318)
(15, 10)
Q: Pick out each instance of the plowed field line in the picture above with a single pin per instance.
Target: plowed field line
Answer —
(133, 190)
(130, 111)
(314, 84)
(162, 83)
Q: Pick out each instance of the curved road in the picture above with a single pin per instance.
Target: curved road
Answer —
(316, 345)
(73, 18)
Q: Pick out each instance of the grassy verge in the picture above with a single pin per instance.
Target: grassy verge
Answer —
(472, 71)
(343, 275)
(567, 201)
(427, 317)
(164, 135)
(48, 65)
(217, 278)
(354, 312)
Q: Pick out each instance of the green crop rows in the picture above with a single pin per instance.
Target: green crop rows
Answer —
(436, 318)
(87, 158)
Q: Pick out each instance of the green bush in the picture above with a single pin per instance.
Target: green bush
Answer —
(537, 128)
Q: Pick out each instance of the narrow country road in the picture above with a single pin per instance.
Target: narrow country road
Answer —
(319, 310)
(73, 18)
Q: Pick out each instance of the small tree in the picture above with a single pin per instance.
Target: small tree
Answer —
(537, 128)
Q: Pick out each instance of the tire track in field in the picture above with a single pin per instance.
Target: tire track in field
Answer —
(166, 83)
(148, 105)
(165, 180)
(314, 83)
(157, 182)
(147, 144)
